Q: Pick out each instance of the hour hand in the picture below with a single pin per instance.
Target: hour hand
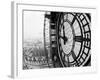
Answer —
(64, 38)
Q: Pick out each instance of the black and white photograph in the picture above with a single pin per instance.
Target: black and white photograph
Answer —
(50, 40)
(54, 39)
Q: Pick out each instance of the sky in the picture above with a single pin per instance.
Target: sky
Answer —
(33, 25)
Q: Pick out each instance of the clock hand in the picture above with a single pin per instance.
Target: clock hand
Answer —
(64, 37)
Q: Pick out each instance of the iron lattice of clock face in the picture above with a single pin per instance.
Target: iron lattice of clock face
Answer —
(74, 39)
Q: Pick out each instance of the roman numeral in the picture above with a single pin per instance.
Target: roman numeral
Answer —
(67, 61)
(80, 39)
(74, 57)
(73, 20)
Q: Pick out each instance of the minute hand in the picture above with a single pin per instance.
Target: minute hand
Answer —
(64, 37)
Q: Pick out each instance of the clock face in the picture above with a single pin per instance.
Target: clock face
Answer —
(74, 39)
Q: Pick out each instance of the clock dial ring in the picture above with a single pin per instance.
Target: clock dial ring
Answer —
(77, 38)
